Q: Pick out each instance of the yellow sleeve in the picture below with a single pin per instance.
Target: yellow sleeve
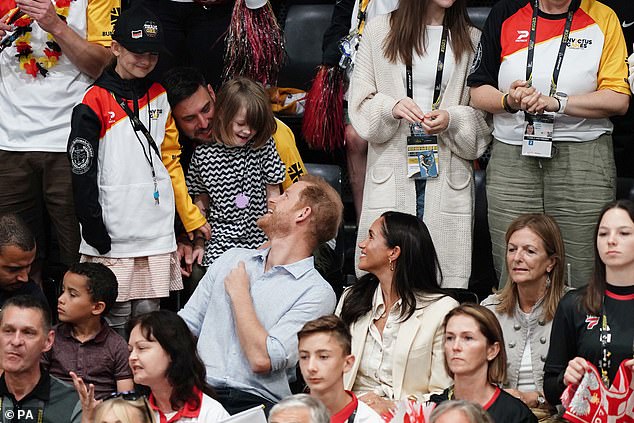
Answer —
(190, 215)
(287, 149)
(100, 18)
(613, 71)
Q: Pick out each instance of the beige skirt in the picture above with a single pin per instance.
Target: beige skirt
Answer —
(143, 277)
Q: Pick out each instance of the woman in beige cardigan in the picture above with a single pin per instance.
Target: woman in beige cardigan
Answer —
(395, 314)
(381, 112)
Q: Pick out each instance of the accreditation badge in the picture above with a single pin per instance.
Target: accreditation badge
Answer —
(422, 154)
(538, 135)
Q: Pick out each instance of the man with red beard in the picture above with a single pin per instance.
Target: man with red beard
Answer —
(249, 306)
(192, 101)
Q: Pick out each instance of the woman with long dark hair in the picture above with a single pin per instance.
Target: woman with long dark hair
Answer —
(594, 324)
(408, 95)
(163, 358)
(395, 314)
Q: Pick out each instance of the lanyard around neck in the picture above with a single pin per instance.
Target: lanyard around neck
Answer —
(138, 126)
(439, 70)
(362, 16)
(562, 47)
(604, 361)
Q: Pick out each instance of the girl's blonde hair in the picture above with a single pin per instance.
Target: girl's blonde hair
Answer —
(124, 410)
(235, 94)
(472, 411)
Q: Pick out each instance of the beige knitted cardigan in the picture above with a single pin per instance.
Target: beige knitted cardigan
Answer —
(376, 86)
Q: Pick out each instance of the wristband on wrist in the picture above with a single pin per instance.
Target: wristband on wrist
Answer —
(505, 104)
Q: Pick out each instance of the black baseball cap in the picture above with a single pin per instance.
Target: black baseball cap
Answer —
(139, 30)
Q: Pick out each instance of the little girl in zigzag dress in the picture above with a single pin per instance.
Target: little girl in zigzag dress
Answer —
(232, 178)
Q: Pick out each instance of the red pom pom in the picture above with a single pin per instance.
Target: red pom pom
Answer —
(323, 126)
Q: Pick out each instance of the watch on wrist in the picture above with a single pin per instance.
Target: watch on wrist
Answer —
(563, 101)
(540, 399)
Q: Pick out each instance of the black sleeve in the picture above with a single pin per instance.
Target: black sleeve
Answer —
(83, 150)
(562, 347)
(486, 65)
(339, 28)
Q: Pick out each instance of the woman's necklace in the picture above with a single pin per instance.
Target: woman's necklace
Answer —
(28, 62)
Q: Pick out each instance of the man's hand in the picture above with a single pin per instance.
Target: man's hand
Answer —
(184, 252)
(4, 28)
(204, 231)
(43, 12)
(237, 281)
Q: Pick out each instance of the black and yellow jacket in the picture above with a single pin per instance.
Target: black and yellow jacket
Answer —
(112, 164)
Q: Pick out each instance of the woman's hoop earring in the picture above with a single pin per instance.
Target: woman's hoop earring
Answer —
(548, 280)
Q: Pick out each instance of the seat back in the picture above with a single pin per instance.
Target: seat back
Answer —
(304, 30)
(478, 15)
(483, 277)
(332, 261)
(331, 173)
(463, 295)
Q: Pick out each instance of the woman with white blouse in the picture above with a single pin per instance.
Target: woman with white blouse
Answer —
(395, 314)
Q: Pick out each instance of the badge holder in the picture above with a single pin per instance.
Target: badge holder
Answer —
(422, 154)
(538, 136)
(348, 47)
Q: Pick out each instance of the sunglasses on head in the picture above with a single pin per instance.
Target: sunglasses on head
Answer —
(132, 396)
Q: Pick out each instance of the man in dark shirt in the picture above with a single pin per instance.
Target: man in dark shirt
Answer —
(17, 252)
(28, 393)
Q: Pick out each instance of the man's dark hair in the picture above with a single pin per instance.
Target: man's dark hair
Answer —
(181, 83)
(29, 301)
(101, 282)
(14, 232)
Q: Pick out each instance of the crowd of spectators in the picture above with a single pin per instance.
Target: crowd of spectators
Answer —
(97, 104)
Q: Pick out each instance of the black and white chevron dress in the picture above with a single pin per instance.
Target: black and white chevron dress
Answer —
(223, 172)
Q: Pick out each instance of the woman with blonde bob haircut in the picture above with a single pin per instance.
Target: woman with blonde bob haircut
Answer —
(526, 305)
(476, 359)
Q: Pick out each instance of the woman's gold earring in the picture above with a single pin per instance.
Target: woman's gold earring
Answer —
(391, 264)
